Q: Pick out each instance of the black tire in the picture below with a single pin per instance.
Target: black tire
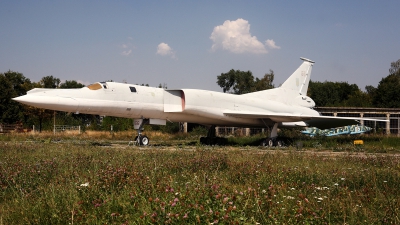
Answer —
(270, 143)
(135, 141)
(144, 140)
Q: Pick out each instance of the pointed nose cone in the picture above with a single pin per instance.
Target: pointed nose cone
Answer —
(49, 102)
(37, 101)
(25, 99)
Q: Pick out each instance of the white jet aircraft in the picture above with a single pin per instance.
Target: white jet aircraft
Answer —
(287, 105)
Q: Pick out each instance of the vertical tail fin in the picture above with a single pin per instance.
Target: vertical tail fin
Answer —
(299, 80)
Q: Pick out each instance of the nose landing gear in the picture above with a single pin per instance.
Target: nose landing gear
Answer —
(140, 140)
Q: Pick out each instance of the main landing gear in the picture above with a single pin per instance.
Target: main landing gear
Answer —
(273, 140)
(140, 139)
(212, 138)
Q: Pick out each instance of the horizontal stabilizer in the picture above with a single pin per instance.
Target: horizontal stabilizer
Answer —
(308, 60)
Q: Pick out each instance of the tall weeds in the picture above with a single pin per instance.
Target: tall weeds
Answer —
(75, 183)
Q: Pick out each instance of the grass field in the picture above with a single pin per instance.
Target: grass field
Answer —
(95, 179)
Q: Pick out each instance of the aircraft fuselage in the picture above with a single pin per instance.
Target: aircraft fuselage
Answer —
(183, 105)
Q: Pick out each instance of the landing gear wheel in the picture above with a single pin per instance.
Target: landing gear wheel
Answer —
(270, 143)
(144, 140)
(267, 142)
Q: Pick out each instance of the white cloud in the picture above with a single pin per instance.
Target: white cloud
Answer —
(126, 52)
(127, 49)
(235, 36)
(271, 44)
(164, 50)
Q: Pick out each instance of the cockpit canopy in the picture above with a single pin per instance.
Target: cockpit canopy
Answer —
(97, 86)
(105, 85)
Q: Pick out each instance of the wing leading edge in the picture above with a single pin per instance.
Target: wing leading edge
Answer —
(321, 122)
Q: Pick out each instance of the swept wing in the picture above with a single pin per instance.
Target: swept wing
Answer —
(321, 122)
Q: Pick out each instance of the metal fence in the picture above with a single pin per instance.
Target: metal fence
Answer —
(8, 128)
(63, 128)
(238, 131)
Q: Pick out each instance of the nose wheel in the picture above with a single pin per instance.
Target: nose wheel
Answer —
(140, 140)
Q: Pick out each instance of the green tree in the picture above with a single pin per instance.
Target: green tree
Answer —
(242, 82)
(386, 95)
(236, 81)
(266, 82)
(7, 110)
(71, 84)
(163, 86)
(118, 123)
(50, 82)
(12, 84)
(333, 93)
(370, 90)
(395, 67)
(358, 99)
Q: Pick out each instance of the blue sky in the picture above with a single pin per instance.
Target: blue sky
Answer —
(187, 44)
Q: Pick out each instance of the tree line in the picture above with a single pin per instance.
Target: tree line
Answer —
(330, 94)
(327, 93)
